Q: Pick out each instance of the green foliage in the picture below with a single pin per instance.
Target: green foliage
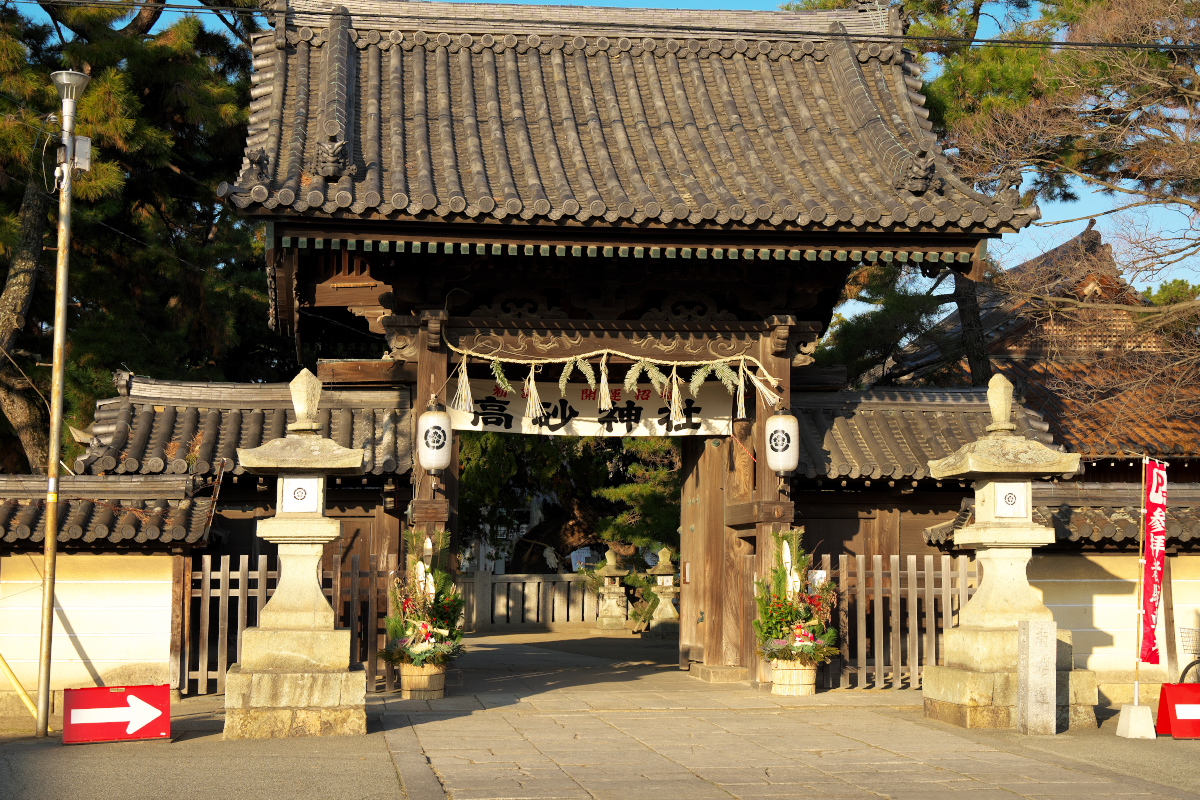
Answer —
(165, 280)
(645, 598)
(647, 495)
(794, 616)
(1172, 292)
(626, 490)
(902, 306)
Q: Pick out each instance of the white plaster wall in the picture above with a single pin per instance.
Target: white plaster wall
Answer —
(112, 619)
(1095, 596)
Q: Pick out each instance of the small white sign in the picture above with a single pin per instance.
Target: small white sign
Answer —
(1010, 499)
(301, 495)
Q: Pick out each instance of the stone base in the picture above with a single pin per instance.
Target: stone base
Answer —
(714, 674)
(972, 699)
(610, 623)
(279, 704)
(295, 650)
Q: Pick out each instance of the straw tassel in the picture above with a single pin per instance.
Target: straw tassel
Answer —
(675, 402)
(741, 391)
(603, 394)
(463, 401)
(533, 408)
(769, 396)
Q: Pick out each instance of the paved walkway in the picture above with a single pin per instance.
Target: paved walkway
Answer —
(562, 716)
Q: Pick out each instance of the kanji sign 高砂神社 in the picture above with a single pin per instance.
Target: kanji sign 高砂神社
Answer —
(1156, 552)
(642, 412)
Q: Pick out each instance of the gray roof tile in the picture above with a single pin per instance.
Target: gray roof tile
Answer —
(455, 111)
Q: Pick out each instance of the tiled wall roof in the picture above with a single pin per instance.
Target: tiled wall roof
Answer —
(1093, 514)
(135, 512)
(893, 433)
(452, 112)
(176, 427)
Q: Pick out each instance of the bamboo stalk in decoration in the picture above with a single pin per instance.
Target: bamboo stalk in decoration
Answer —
(501, 381)
(463, 401)
(675, 401)
(604, 395)
(533, 406)
(741, 391)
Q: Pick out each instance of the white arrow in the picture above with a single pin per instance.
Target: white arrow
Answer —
(1187, 711)
(138, 714)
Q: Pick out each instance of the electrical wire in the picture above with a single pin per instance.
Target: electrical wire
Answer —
(857, 37)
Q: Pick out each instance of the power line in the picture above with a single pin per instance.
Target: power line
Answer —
(857, 37)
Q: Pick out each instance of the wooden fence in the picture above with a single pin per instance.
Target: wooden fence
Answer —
(229, 592)
(504, 602)
(891, 621)
(891, 614)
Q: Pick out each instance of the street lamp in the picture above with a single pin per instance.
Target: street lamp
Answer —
(70, 86)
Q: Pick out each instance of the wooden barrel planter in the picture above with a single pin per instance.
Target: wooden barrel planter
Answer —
(427, 682)
(793, 678)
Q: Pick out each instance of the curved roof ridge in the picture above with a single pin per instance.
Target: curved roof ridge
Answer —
(453, 17)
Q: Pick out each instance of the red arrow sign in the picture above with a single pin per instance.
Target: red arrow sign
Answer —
(116, 713)
(1179, 710)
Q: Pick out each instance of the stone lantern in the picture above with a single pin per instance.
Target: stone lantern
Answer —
(294, 677)
(665, 620)
(978, 686)
(614, 606)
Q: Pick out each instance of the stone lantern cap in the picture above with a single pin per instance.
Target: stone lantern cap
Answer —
(610, 569)
(1002, 452)
(664, 565)
(303, 450)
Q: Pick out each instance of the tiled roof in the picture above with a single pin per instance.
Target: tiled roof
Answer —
(1093, 514)
(450, 112)
(181, 428)
(893, 433)
(134, 512)
(1120, 423)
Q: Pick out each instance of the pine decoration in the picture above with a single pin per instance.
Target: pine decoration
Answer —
(698, 378)
(657, 379)
(501, 381)
(587, 371)
(726, 375)
(635, 372)
(568, 368)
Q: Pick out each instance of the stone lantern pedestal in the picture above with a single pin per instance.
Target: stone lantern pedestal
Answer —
(664, 623)
(294, 676)
(614, 605)
(979, 686)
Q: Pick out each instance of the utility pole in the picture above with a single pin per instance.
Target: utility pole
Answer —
(70, 85)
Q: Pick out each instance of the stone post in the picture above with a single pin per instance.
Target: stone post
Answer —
(979, 685)
(1037, 649)
(295, 677)
(614, 605)
(664, 623)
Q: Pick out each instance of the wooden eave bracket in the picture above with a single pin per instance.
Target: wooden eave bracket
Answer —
(746, 515)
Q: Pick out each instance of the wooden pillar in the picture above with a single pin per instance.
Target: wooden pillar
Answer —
(737, 546)
(769, 487)
(434, 496)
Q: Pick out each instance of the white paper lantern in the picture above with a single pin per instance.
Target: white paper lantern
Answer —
(433, 441)
(783, 442)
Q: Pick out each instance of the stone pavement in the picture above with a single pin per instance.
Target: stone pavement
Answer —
(568, 716)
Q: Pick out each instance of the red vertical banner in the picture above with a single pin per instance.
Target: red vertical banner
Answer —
(1156, 553)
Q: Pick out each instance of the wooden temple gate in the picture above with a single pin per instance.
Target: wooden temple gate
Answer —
(444, 178)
